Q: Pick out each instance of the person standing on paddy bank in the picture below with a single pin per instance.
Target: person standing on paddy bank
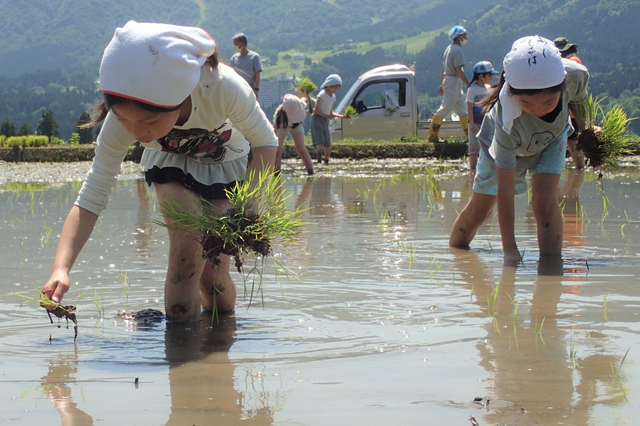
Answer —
(246, 62)
(451, 80)
(322, 113)
(163, 86)
(525, 129)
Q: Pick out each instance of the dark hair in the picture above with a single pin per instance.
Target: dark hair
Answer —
(570, 51)
(282, 119)
(477, 75)
(494, 96)
(101, 109)
(240, 37)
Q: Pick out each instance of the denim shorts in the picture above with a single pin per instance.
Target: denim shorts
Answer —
(549, 160)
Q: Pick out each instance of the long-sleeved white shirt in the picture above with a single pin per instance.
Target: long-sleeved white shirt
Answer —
(225, 123)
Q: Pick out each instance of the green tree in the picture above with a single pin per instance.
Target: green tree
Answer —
(85, 134)
(48, 126)
(25, 130)
(8, 128)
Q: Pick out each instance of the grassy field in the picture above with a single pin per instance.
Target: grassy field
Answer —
(414, 44)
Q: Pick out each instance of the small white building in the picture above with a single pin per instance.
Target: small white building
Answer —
(298, 56)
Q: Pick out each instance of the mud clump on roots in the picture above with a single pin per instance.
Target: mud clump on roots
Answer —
(245, 236)
(67, 312)
(594, 150)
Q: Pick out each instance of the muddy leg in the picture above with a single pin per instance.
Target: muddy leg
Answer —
(319, 149)
(477, 210)
(544, 204)
(298, 140)
(218, 277)
(224, 287)
(181, 289)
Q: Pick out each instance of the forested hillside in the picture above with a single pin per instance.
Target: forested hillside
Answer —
(70, 35)
(604, 30)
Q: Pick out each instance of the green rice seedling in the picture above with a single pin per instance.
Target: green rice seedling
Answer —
(538, 328)
(412, 253)
(573, 351)
(615, 371)
(99, 301)
(257, 217)
(124, 279)
(491, 300)
(44, 240)
(61, 311)
(605, 306)
(605, 147)
(515, 313)
(350, 112)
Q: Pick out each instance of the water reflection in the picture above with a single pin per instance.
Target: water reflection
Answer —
(144, 223)
(55, 385)
(385, 315)
(573, 226)
(535, 369)
(202, 378)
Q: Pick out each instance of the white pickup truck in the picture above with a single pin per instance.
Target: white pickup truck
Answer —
(386, 101)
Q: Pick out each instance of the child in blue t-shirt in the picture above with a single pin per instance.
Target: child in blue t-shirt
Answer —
(524, 131)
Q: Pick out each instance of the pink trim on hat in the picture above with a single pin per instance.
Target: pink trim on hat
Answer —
(215, 45)
(142, 100)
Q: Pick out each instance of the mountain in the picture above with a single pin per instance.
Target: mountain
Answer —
(73, 33)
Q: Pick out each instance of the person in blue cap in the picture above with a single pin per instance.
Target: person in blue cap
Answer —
(322, 113)
(483, 72)
(452, 78)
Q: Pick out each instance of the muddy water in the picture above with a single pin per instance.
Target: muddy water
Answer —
(387, 325)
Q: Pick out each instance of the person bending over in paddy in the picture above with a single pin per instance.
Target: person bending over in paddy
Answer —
(163, 86)
(525, 129)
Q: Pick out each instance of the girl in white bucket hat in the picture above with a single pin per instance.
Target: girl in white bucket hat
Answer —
(524, 129)
(198, 121)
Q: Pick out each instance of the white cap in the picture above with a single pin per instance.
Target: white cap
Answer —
(158, 64)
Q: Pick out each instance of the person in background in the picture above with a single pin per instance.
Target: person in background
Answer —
(569, 51)
(199, 122)
(479, 87)
(451, 80)
(322, 113)
(289, 118)
(524, 130)
(246, 62)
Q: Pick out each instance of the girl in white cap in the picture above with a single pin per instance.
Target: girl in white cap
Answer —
(198, 121)
(524, 129)
(288, 118)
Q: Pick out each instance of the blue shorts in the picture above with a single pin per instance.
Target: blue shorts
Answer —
(549, 160)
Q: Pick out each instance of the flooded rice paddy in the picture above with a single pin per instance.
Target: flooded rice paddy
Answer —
(386, 326)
